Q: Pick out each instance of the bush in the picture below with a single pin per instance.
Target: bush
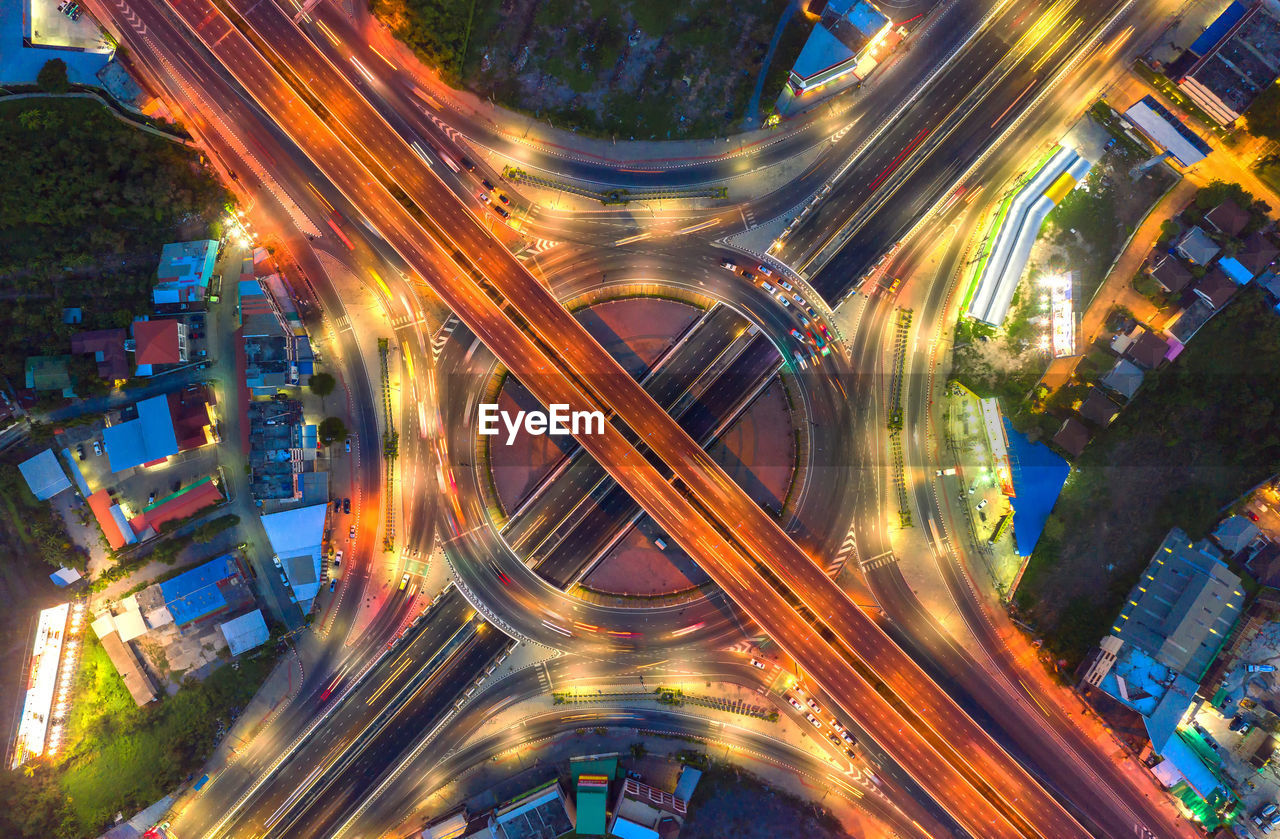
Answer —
(52, 77)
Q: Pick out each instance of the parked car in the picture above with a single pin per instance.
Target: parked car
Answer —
(337, 505)
(786, 285)
(813, 720)
(485, 182)
(764, 269)
(794, 703)
(817, 709)
(80, 451)
(502, 211)
(757, 664)
(333, 584)
(97, 447)
(348, 445)
(504, 199)
(729, 264)
(346, 505)
(337, 559)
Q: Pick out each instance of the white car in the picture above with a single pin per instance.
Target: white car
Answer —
(729, 264)
(811, 718)
(784, 301)
(817, 709)
(982, 503)
(768, 288)
(764, 269)
(97, 447)
(786, 285)
(794, 703)
(759, 665)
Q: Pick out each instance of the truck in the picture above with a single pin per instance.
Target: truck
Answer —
(942, 472)
(204, 779)
(1262, 668)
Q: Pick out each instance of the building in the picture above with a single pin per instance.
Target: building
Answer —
(177, 506)
(644, 812)
(112, 520)
(591, 777)
(296, 536)
(1197, 246)
(184, 273)
(451, 826)
(277, 455)
(1098, 409)
(1072, 437)
(159, 343)
(48, 373)
(1235, 272)
(1235, 59)
(205, 590)
(1015, 229)
(245, 632)
(107, 348)
(125, 660)
(1235, 533)
(1169, 272)
(146, 440)
(1182, 609)
(1215, 288)
(1188, 322)
(1123, 379)
(1166, 132)
(843, 44)
(44, 475)
(1148, 351)
(1228, 218)
(1257, 254)
(192, 412)
(268, 341)
(540, 813)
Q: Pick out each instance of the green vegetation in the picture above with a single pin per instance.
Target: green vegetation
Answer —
(85, 205)
(122, 757)
(630, 68)
(206, 532)
(52, 77)
(331, 430)
(31, 527)
(1199, 433)
(322, 384)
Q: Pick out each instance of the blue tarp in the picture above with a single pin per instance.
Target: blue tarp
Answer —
(1233, 269)
(1211, 36)
(194, 594)
(1038, 476)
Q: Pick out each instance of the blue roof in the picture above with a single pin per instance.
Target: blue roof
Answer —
(1219, 28)
(688, 782)
(194, 594)
(1038, 476)
(148, 438)
(1233, 269)
(867, 18)
(1191, 766)
(822, 52)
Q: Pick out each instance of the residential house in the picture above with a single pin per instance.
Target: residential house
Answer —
(1148, 351)
(49, 373)
(1098, 409)
(1197, 246)
(1228, 218)
(1124, 378)
(1169, 272)
(1215, 288)
(1072, 437)
(158, 343)
(184, 273)
(1258, 253)
(1235, 533)
(107, 348)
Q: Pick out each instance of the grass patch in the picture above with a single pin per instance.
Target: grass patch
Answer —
(121, 757)
(31, 527)
(1200, 433)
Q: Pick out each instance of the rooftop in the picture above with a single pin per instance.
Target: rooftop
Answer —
(148, 439)
(1124, 378)
(1215, 288)
(245, 632)
(1172, 275)
(1197, 246)
(195, 594)
(156, 342)
(107, 348)
(48, 372)
(1149, 350)
(1228, 217)
(44, 475)
(1097, 408)
(1072, 437)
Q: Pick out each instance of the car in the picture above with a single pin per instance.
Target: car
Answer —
(747, 275)
(348, 446)
(333, 584)
(1269, 810)
(97, 447)
(850, 753)
(764, 269)
(835, 723)
(759, 665)
(813, 720)
(276, 560)
(729, 265)
(486, 184)
(346, 505)
(504, 199)
(1275, 821)
(798, 299)
(484, 199)
(982, 504)
(794, 703)
(817, 709)
(895, 285)
(788, 286)
(337, 559)
(337, 505)
(1251, 514)
(768, 288)
(404, 581)
(467, 164)
(795, 334)
(80, 451)
(151, 499)
(835, 739)
(1111, 142)
(351, 534)
(848, 738)
(501, 211)
(786, 304)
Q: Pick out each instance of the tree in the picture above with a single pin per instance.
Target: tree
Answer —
(321, 385)
(52, 77)
(1263, 117)
(331, 429)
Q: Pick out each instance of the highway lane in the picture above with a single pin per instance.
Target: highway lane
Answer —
(693, 468)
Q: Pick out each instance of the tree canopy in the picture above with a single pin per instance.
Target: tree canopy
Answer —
(331, 429)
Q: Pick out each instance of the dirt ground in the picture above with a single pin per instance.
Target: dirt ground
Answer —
(732, 803)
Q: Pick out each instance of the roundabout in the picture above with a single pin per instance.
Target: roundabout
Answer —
(543, 543)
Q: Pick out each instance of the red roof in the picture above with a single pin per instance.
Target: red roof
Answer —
(190, 412)
(100, 503)
(157, 342)
(193, 500)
